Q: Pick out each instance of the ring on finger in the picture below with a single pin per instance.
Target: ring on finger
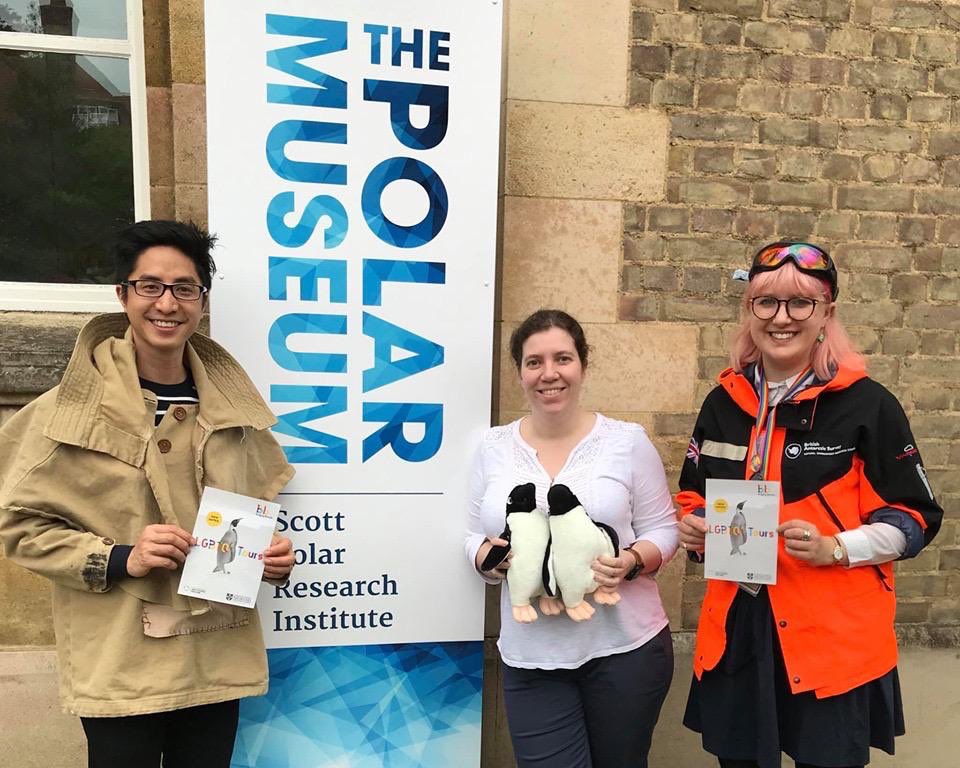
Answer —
(805, 536)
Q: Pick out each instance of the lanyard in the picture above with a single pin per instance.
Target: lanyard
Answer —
(767, 420)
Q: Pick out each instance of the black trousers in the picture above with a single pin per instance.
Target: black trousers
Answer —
(600, 715)
(183, 738)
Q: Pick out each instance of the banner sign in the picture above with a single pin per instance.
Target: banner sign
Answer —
(353, 156)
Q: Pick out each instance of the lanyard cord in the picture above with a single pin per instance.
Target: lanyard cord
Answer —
(766, 421)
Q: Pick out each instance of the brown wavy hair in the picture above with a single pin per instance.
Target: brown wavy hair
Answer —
(544, 320)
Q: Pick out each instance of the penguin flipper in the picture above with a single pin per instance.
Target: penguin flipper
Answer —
(498, 553)
(614, 539)
(548, 576)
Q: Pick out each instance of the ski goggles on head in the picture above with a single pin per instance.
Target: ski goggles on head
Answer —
(808, 258)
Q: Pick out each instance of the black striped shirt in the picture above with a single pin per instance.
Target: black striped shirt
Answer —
(169, 395)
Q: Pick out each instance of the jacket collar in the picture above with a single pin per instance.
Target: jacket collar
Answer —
(101, 406)
(739, 386)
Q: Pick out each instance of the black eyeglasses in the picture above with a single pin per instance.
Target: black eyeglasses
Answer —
(798, 308)
(154, 289)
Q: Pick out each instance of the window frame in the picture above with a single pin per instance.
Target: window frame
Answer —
(87, 297)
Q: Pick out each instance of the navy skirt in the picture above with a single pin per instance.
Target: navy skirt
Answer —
(744, 708)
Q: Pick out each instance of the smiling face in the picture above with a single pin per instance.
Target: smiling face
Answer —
(551, 374)
(161, 326)
(786, 345)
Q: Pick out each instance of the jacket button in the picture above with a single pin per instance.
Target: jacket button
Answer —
(164, 446)
(803, 421)
(796, 679)
(783, 623)
(179, 413)
(106, 540)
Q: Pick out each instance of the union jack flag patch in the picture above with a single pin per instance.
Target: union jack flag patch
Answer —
(693, 452)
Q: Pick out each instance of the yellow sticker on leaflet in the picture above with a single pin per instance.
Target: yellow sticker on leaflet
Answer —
(214, 519)
(721, 506)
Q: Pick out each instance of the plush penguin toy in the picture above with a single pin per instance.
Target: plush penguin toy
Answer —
(528, 532)
(575, 542)
(227, 548)
(738, 530)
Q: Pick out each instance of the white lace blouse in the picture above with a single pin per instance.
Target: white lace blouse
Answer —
(617, 474)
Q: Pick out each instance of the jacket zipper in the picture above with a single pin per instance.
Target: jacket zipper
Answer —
(836, 522)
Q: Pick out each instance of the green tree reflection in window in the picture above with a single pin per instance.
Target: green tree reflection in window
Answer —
(66, 174)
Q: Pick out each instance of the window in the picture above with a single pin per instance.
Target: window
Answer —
(73, 148)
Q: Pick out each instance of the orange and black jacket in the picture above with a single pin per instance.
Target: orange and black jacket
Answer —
(844, 455)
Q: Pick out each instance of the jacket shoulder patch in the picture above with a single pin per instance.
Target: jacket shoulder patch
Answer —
(723, 450)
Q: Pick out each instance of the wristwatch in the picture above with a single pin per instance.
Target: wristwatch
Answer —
(837, 551)
(637, 567)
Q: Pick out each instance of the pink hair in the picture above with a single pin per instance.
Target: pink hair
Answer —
(826, 356)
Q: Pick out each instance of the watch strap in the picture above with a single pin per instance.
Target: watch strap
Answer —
(637, 566)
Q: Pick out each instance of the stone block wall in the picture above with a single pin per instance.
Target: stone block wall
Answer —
(34, 349)
(176, 108)
(833, 121)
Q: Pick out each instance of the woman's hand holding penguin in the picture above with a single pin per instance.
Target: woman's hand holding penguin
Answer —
(499, 571)
(608, 571)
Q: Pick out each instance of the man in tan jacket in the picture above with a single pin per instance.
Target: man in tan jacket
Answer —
(100, 481)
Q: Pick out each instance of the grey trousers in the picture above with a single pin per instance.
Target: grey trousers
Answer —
(600, 715)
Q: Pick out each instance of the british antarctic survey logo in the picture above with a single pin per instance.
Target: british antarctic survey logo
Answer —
(815, 448)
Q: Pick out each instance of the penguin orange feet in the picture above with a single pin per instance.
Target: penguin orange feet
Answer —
(606, 596)
(551, 606)
(525, 614)
(581, 612)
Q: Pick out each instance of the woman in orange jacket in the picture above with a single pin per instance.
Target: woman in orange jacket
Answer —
(806, 666)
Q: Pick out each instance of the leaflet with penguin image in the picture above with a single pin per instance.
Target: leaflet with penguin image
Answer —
(742, 518)
(226, 563)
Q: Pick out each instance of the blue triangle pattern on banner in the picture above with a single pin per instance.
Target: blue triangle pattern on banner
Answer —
(402, 706)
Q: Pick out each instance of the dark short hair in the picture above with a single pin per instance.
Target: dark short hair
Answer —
(544, 320)
(191, 240)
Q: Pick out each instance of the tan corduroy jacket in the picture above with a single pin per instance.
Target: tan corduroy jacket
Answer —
(81, 470)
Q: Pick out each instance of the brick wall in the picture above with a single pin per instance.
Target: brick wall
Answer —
(829, 120)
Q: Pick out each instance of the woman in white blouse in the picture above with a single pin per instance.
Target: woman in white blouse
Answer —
(579, 694)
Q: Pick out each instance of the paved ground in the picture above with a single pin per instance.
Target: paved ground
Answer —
(37, 735)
